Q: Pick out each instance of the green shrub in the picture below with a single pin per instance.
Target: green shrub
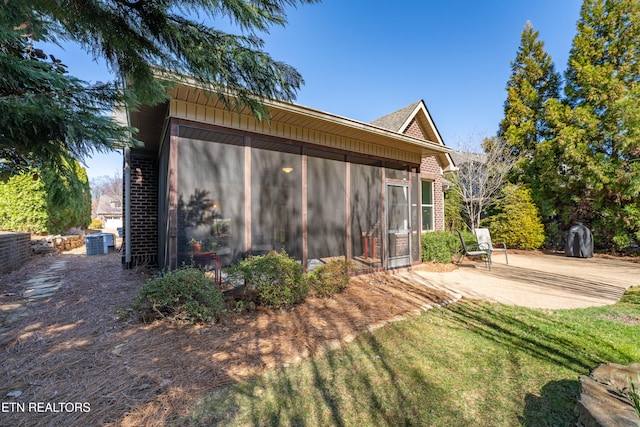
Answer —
(276, 277)
(453, 210)
(95, 224)
(330, 278)
(438, 246)
(517, 221)
(68, 197)
(46, 200)
(184, 294)
(23, 204)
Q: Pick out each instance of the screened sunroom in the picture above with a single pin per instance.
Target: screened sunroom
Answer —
(315, 185)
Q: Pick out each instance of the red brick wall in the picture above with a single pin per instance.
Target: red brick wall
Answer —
(144, 210)
(414, 130)
(430, 170)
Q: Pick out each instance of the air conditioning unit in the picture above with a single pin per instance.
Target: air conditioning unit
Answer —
(95, 244)
(98, 244)
(109, 241)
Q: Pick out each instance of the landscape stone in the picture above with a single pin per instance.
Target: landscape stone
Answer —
(604, 400)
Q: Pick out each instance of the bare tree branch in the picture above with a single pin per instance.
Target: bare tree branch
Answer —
(480, 176)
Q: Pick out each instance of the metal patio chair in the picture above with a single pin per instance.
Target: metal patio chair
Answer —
(473, 250)
(484, 242)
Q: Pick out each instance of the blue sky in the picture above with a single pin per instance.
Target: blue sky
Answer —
(364, 59)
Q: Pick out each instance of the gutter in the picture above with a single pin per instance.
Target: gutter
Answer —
(127, 205)
(127, 193)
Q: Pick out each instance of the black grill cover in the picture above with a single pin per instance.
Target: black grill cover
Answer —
(579, 242)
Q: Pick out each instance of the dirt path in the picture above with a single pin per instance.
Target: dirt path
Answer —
(82, 345)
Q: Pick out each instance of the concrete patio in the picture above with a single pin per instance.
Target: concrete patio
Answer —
(537, 280)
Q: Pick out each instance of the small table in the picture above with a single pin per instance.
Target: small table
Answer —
(205, 260)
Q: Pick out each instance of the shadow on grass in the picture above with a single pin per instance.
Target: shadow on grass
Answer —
(364, 383)
(553, 407)
(539, 335)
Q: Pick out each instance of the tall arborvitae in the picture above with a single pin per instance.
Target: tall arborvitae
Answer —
(591, 165)
(533, 81)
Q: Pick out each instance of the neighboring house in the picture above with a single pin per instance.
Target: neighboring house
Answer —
(314, 184)
(109, 212)
(471, 169)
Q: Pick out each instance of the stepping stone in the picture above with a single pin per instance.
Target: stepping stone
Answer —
(44, 286)
(41, 279)
(40, 296)
(39, 293)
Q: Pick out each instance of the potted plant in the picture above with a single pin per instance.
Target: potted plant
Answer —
(210, 244)
(196, 245)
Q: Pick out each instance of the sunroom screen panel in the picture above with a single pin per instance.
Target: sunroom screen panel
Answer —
(326, 208)
(276, 200)
(210, 195)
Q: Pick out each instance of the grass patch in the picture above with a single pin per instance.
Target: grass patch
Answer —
(471, 364)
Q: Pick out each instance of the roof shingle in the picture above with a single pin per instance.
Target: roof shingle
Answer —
(395, 120)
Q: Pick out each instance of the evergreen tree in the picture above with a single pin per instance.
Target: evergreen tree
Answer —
(533, 81)
(136, 36)
(590, 166)
(45, 114)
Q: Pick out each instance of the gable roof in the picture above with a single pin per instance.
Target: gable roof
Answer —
(108, 205)
(401, 120)
(461, 157)
(396, 121)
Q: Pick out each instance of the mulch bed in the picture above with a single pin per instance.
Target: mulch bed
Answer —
(84, 344)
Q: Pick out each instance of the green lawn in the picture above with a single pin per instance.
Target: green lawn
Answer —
(470, 364)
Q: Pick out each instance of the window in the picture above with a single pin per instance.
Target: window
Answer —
(427, 206)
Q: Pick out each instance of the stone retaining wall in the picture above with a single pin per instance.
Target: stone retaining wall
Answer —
(14, 250)
(56, 244)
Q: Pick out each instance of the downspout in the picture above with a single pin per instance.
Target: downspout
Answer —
(127, 205)
(127, 193)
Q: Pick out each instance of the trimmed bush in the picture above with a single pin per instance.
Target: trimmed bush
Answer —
(95, 224)
(276, 277)
(184, 294)
(330, 278)
(438, 246)
(23, 204)
(68, 197)
(517, 221)
(46, 200)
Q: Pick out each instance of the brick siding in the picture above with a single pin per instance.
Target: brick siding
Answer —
(430, 170)
(144, 210)
(15, 250)
(414, 130)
